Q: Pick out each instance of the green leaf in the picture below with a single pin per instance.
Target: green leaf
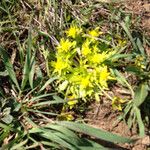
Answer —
(4, 134)
(9, 66)
(48, 134)
(28, 70)
(122, 80)
(118, 56)
(42, 112)
(134, 70)
(140, 94)
(47, 83)
(19, 145)
(25, 74)
(40, 97)
(59, 99)
(124, 26)
(86, 129)
(50, 144)
(47, 103)
(7, 119)
(31, 73)
(140, 47)
(140, 122)
(80, 143)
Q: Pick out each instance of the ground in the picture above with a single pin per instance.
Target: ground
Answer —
(101, 115)
(104, 117)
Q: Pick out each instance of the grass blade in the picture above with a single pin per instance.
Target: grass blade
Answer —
(47, 83)
(140, 94)
(9, 67)
(104, 135)
(31, 73)
(129, 35)
(140, 122)
(19, 145)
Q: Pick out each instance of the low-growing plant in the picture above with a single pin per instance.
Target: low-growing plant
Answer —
(28, 113)
(83, 62)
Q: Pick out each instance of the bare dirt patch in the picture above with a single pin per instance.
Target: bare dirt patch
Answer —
(104, 117)
(140, 8)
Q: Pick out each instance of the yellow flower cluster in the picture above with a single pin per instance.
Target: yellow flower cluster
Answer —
(139, 62)
(81, 63)
(117, 103)
(73, 31)
(65, 45)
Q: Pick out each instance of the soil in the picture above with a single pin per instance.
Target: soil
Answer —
(140, 8)
(104, 117)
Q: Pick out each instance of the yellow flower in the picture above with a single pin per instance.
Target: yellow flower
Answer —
(69, 117)
(95, 48)
(85, 48)
(59, 65)
(99, 58)
(72, 101)
(95, 32)
(66, 116)
(73, 31)
(65, 45)
(104, 76)
(139, 62)
(122, 42)
(117, 103)
(85, 82)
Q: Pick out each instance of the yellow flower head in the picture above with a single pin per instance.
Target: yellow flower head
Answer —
(85, 48)
(59, 65)
(65, 45)
(66, 116)
(95, 48)
(72, 101)
(117, 103)
(99, 58)
(85, 82)
(95, 32)
(73, 31)
(104, 76)
(139, 62)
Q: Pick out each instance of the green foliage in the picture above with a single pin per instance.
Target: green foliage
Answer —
(85, 62)
(29, 111)
(82, 63)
